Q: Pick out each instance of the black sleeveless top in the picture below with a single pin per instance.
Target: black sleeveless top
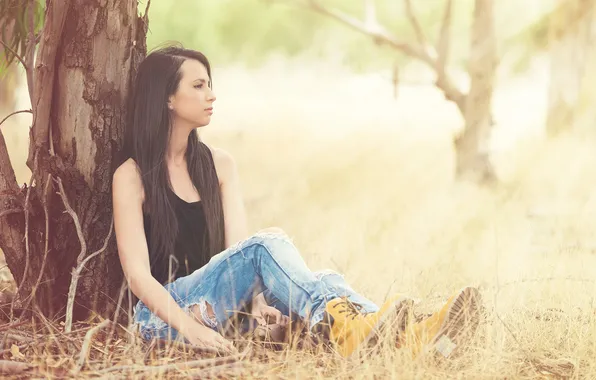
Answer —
(191, 241)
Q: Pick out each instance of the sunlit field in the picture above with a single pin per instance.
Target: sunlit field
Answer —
(363, 184)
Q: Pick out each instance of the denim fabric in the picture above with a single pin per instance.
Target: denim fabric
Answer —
(265, 262)
(336, 283)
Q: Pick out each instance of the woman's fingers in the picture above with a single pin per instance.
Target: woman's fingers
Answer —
(285, 320)
(260, 320)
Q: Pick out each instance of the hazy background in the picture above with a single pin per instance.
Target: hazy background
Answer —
(363, 180)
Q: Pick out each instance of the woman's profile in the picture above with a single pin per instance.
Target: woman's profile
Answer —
(184, 246)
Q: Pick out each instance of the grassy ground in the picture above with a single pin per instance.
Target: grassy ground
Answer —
(367, 191)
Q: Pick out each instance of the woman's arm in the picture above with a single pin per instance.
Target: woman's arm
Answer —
(233, 206)
(127, 198)
(235, 226)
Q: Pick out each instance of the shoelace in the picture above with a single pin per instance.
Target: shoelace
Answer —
(353, 309)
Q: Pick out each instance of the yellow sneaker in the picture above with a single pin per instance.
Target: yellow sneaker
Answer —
(447, 330)
(351, 329)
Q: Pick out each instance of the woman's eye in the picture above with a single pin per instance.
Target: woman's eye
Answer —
(199, 86)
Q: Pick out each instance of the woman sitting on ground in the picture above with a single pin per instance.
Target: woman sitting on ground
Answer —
(183, 243)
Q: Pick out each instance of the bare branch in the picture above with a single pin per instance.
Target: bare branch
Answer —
(415, 24)
(75, 218)
(103, 248)
(76, 273)
(377, 32)
(12, 367)
(145, 15)
(15, 113)
(380, 35)
(87, 344)
(45, 255)
(74, 280)
(10, 211)
(201, 363)
(44, 74)
(30, 54)
(10, 234)
(26, 209)
(444, 39)
(15, 54)
(8, 180)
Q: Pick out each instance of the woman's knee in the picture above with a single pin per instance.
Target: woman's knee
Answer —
(272, 230)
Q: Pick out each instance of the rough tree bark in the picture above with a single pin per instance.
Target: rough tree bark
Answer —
(87, 55)
(475, 106)
(572, 43)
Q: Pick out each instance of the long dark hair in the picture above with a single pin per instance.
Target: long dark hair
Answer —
(146, 140)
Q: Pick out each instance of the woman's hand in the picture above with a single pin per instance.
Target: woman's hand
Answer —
(267, 315)
(204, 337)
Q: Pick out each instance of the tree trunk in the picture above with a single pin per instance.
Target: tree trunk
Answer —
(88, 53)
(9, 80)
(472, 145)
(571, 32)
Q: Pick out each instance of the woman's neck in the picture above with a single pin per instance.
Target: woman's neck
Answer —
(177, 146)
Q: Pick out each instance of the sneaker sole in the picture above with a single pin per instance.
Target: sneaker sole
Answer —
(461, 322)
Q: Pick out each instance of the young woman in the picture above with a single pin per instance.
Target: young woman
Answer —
(182, 237)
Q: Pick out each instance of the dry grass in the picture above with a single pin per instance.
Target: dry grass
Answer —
(366, 190)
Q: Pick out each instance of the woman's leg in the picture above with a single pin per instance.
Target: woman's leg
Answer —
(334, 282)
(270, 261)
(231, 279)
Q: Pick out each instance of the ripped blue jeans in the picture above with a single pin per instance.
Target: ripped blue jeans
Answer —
(265, 262)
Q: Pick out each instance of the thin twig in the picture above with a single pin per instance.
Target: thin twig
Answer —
(77, 274)
(87, 344)
(45, 255)
(147, 9)
(415, 24)
(117, 312)
(444, 39)
(52, 330)
(14, 113)
(203, 363)
(26, 208)
(18, 338)
(14, 53)
(103, 248)
(12, 325)
(74, 280)
(12, 367)
(30, 54)
(10, 211)
(381, 36)
(377, 32)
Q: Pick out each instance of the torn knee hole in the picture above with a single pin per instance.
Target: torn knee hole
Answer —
(203, 312)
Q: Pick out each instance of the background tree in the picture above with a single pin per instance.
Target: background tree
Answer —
(475, 104)
(572, 48)
(79, 63)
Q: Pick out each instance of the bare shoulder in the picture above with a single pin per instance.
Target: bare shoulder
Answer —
(127, 183)
(225, 165)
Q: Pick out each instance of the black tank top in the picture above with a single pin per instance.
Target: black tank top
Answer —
(191, 241)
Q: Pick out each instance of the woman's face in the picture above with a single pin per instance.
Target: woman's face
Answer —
(193, 101)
